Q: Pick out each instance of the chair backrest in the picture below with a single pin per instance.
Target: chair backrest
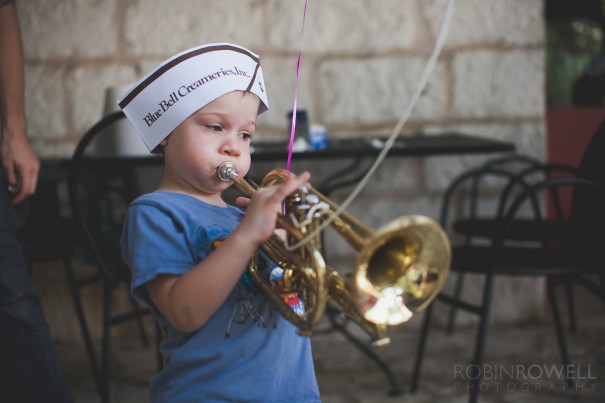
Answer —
(479, 199)
(102, 181)
(501, 178)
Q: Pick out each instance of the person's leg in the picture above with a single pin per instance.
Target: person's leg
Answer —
(29, 370)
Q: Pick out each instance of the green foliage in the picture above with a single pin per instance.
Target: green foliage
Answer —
(570, 46)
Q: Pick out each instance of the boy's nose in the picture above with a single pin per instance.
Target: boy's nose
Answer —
(231, 146)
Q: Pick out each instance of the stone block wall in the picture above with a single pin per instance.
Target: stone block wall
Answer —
(361, 62)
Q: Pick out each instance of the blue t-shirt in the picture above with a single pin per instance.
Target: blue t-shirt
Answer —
(247, 351)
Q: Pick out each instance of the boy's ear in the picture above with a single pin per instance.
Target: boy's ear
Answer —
(164, 142)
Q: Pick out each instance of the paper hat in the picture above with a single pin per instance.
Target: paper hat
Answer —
(181, 85)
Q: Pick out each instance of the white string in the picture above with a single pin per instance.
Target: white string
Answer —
(396, 130)
(319, 207)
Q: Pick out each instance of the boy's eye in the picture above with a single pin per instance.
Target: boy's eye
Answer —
(246, 135)
(214, 128)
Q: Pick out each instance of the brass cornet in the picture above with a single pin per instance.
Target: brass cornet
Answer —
(400, 268)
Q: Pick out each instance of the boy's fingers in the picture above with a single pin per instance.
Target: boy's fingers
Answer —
(242, 201)
(291, 183)
(294, 182)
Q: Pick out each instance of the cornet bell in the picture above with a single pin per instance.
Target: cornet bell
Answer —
(401, 269)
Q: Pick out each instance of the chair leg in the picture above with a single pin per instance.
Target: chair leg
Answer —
(158, 339)
(105, 350)
(453, 309)
(557, 322)
(479, 355)
(75, 294)
(571, 308)
(420, 349)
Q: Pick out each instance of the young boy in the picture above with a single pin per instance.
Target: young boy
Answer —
(187, 249)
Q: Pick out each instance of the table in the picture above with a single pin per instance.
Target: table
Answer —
(354, 149)
(449, 143)
(363, 151)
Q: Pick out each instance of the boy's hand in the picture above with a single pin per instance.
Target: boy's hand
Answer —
(262, 209)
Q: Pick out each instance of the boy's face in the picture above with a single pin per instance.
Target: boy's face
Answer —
(220, 131)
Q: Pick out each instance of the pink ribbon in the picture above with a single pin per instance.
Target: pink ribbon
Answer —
(293, 127)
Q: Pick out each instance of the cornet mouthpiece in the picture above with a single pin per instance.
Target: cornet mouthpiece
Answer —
(226, 170)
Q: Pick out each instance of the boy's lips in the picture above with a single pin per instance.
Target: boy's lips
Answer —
(224, 170)
(227, 161)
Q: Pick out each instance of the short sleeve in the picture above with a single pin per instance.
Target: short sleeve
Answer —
(153, 243)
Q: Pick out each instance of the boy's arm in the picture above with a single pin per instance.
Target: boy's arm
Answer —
(18, 159)
(189, 300)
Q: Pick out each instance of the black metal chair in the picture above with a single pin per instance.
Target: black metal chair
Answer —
(530, 234)
(516, 172)
(100, 187)
(520, 169)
